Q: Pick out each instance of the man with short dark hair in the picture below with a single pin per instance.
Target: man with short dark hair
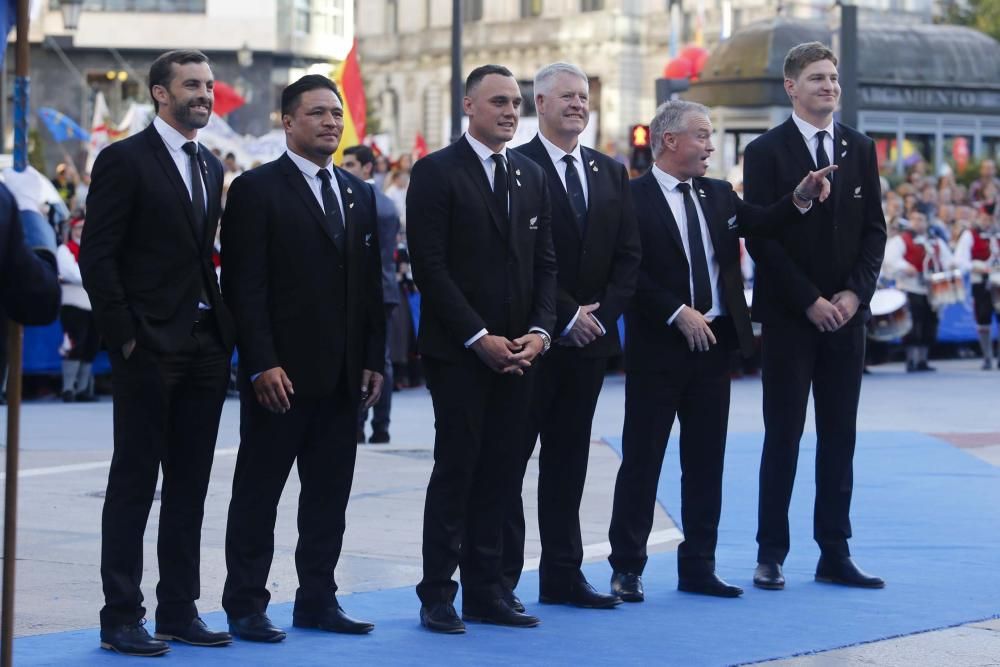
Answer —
(146, 261)
(302, 273)
(360, 161)
(811, 293)
(478, 228)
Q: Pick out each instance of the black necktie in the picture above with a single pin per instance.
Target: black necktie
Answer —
(699, 264)
(332, 209)
(197, 190)
(822, 159)
(501, 184)
(575, 191)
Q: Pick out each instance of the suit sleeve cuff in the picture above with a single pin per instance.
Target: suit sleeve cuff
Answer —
(479, 334)
(539, 330)
(670, 320)
(569, 326)
(805, 210)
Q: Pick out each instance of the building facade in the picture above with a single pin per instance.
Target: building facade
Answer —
(257, 47)
(623, 45)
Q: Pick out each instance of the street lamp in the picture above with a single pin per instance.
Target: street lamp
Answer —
(71, 10)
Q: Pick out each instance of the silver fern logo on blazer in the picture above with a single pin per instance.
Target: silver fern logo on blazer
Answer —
(533, 223)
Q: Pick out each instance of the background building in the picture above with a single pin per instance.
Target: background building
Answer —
(256, 46)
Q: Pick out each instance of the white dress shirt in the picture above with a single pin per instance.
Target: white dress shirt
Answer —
(557, 154)
(309, 172)
(485, 155)
(675, 200)
(809, 136)
(175, 147)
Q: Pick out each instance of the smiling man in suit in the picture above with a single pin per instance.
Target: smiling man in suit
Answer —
(302, 272)
(688, 313)
(478, 225)
(146, 260)
(811, 293)
(597, 249)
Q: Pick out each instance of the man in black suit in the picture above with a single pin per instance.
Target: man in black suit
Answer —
(688, 314)
(478, 226)
(811, 293)
(360, 161)
(597, 248)
(302, 272)
(146, 260)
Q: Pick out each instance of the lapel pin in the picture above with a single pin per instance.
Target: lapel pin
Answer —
(843, 142)
(843, 154)
(518, 182)
(517, 172)
(701, 193)
(350, 191)
(350, 205)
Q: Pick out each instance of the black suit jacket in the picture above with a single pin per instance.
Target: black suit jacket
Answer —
(29, 284)
(841, 248)
(143, 265)
(475, 268)
(298, 303)
(651, 345)
(602, 265)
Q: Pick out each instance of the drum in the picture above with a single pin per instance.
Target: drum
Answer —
(993, 285)
(890, 316)
(757, 326)
(945, 288)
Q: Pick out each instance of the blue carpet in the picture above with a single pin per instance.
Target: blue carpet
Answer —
(921, 507)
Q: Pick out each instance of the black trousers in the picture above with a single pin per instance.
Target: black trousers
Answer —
(925, 321)
(696, 391)
(318, 434)
(479, 420)
(79, 325)
(166, 414)
(796, 358)
(564, 397)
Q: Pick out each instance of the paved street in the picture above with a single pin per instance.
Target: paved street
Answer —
(66, 450)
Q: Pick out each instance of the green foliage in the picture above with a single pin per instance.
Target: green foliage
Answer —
(983, 15)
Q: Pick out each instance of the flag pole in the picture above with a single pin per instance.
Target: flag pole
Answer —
(14, 352)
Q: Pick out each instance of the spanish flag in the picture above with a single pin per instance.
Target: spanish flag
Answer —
(348, 79)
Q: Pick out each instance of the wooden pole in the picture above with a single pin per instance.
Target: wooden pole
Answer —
(15, 346)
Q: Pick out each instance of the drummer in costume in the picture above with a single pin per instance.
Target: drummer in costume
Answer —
(978, 251)
(910, 257)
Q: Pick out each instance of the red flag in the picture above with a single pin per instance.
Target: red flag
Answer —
(419, 147)
(226, 99)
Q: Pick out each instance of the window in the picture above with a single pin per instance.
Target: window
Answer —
(531, 8)
(165, 6)
(591, 5)
(327, 16)
(302, 14)
(472, 10)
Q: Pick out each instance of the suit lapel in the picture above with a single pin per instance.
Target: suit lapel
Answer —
(173, 175)
(591, 173)
(841, 156)
(298, 184)
(536, 149)
(797, 148)
(703, 191)
(663, 212)
(351, 226)
(476, 172)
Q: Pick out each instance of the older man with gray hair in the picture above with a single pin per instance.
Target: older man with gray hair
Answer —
(597, 250)
(688, 313)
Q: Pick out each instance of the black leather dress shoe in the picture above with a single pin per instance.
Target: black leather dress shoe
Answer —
(844, 571)
(256, 628)
(769, 577)
(580, 594)
(132, 639)
(441, 617)
(513, 601)
(709, 584)
(195, 633)
(627, 586)
(497, 612)
(331, 619)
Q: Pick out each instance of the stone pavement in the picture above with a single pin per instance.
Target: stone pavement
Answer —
(67, 448)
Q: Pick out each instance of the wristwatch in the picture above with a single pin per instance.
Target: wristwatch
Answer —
(546, 341)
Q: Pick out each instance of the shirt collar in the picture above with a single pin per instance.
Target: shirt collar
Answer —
(482, 150)
(307, 167)
(808, 130)
(668, 181)
(557, 154)
(171, 137)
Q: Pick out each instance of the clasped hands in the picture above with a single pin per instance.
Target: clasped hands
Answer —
(830, 315)
(504, 356)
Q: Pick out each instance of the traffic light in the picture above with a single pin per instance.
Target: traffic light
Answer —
(642, 150)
